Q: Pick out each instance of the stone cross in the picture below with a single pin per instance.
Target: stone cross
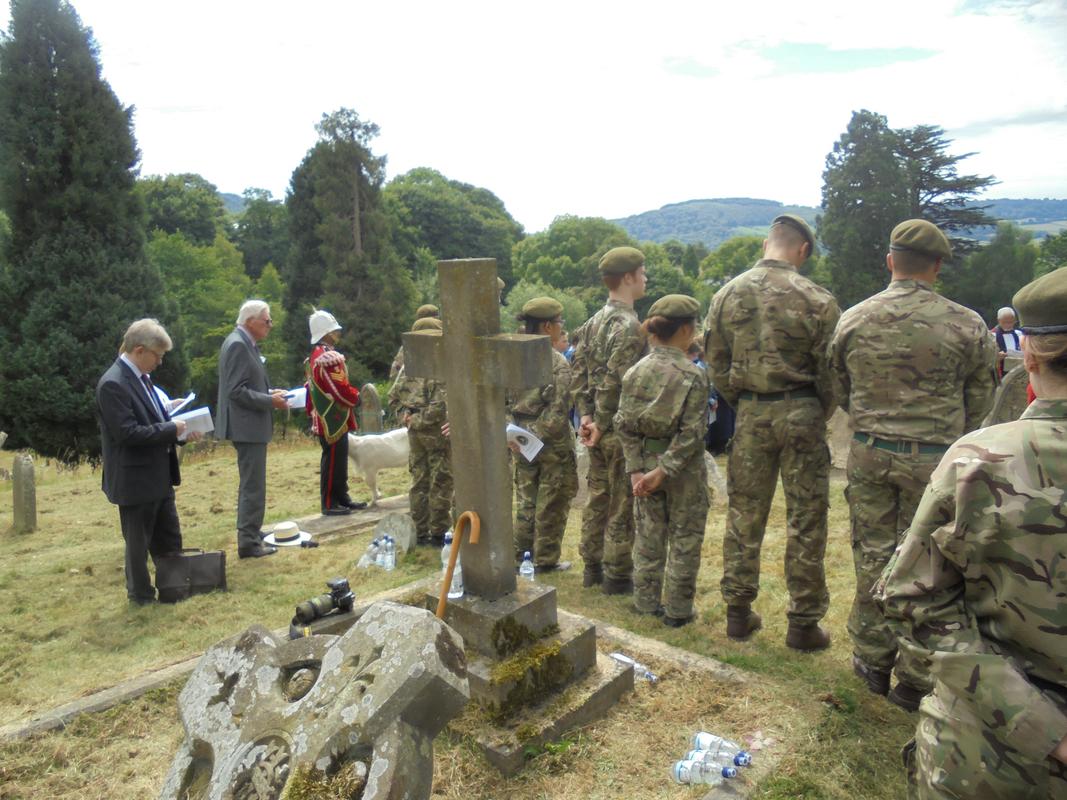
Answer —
(25, 495)
(370, 410)
(321, 716)
(477, 364)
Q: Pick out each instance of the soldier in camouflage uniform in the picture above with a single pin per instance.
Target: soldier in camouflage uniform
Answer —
(545, 487)
(914, 371)
(978, 589)
(766, 337)
(662, 416)
(609, 343)
(423, 312)
(419, 404)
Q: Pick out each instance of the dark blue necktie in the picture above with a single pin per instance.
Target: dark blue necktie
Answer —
(155, 397)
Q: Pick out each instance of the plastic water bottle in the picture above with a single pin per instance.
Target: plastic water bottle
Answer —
(641, 672)
(723, 758)
(455, 588)
(717, 746)
(697, 772)
(526, 569)
(370, 555)
(389, 561)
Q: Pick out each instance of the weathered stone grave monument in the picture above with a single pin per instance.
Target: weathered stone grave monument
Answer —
(1010, 401)
(520, 654)
(350, 716)
(399, 527)
(370, 410)
(25, 494)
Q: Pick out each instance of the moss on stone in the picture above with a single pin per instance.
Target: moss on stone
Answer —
(509, 636)
(535, 672)
(308, 783)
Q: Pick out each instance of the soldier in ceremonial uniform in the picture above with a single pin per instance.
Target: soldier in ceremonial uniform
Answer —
(331, 403)
(914, 371)
(423, 312)
(663, 413)
(609, 343)
(765, 341)
(978, 589)
(419, 404)
(545, 487)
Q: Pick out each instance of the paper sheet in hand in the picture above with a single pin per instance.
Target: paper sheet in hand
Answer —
(297, 398)
(529, 445)
(196, 421)
(184, 403)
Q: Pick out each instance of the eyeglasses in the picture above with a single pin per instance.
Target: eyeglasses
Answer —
(268, 322)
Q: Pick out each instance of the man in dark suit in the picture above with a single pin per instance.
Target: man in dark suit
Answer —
(140, 461)
(244, 417)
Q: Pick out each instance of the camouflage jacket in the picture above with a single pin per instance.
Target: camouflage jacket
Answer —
(423, 398)
(664, 398)
(545, 411)
(609, 343)
(767, 331)
(910, 364)
(979, 583)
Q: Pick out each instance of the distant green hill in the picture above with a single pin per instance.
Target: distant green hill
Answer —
(234, 203)
(714, 221)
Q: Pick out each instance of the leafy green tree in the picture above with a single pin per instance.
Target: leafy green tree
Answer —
(574, 310)
(75, 273)
(695, 252)
(262, 232)
(990, 277)
(664, 277)
(1053, 254)
(566, 253)
(188, 204)
(450, 219)
(730, 259)
(865, 194)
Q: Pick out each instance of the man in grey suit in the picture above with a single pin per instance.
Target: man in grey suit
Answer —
(244, 417)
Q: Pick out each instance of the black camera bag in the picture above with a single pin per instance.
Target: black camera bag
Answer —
(180, 575)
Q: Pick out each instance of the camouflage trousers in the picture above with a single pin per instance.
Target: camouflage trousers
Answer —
(543, 493)
(789, 435)
(608, 517)
(883, 492)
(669, 533)
(956, 755)
(430, 464)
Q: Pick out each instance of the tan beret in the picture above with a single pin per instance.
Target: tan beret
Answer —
(427, 324)
(920, 236)
(542, 308)
(427, 310)
(1042, 304)
(676, 306)
(798, 224)
(620, 260)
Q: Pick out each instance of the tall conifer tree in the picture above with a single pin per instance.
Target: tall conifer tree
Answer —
(75, 272)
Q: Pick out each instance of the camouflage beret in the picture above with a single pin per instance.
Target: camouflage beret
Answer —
(427, 324)
(798, 224)
(427, 310)
(620, 260)
(542, 308)
(922, 237)
(675, 306)
(1042, 304)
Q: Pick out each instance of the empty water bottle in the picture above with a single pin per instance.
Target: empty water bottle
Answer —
(718, 746)
(455, 588)
(370, 555)
(641, 672)
(389, 562)
(724, 757)
(697, 772)
(526, 568)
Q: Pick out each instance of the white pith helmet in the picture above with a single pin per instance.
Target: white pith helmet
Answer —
(321, 323)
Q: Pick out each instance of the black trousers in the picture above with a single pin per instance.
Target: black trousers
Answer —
(333, 473)
(149, 529)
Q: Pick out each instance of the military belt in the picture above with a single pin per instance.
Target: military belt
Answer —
(770, 397)
(896, 446)
(655, 446)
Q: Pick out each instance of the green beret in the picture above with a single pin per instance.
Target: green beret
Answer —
(427, 324)
(922, 237)
(427, 310)
(542, 308)
(797, 224)
(620, 260)
(1042, 304)
(676, 306)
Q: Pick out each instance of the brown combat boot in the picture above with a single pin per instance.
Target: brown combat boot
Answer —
(593, 575)
(877, 680)
(906, 696)
(617, 586)
(742, 622)
(807, 638)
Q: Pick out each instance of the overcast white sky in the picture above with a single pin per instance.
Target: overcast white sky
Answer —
(590, 108)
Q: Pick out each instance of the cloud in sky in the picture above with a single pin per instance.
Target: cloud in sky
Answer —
(588, 108)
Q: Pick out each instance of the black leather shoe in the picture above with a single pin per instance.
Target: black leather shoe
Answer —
(256, 552)
(336, 511)
(355, 505)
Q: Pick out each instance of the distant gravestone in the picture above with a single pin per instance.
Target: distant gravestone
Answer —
(1010, 401)
(370, 410)
(3, 438)
(25, 494)
(401, 527)
(322, 716)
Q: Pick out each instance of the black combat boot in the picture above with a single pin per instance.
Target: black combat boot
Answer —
(877, 679)
(593, 575)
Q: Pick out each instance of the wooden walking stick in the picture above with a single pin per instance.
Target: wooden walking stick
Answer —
(475, 526)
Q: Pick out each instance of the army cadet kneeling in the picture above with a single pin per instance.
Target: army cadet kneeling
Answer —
(663, 413)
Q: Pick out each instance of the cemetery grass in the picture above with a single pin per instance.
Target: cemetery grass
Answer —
(831, 738)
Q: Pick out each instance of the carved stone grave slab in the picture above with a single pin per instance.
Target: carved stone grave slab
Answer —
(25, 494)
(370, 410)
